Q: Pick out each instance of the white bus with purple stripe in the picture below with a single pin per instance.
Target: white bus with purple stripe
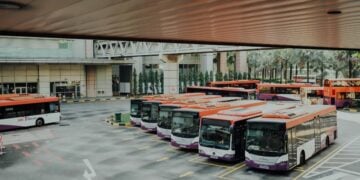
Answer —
(222, 135)
(284, 139)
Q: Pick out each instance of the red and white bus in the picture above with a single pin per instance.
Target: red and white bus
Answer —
(28, 110)
(283, 92)
(186, 121)
(284, 139)
(248, 94)
(312, 95)
(342, 92)
(165, 115)
(222, 135)
(247, 84)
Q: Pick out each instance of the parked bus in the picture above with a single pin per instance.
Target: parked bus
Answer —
(285, 139)
(343, 93)
(28, 110)
(150, 109)
(222, 135)
(186, 121)
(303, 79)
(248, 94)
(312, 95)
(284, 92)
(165, 115)
(136, 105)
(247, 84)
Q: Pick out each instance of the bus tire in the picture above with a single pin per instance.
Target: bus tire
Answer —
(274, 98)
(346, 105)
(39, 122)
(335, 134)
(327, 141)
(302, 158)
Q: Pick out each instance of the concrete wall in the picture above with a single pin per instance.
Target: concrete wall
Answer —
(21, 47)
(10, 73)
(103, 80)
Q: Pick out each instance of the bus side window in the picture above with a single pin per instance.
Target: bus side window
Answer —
(53, 107)
(1, 113)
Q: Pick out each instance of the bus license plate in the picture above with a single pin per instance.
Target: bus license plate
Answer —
(182, 146)
(264, 167)
(213, 157)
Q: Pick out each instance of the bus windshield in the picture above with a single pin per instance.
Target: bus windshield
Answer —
(146, 111)
(266, 138)
(185, 124)
(165, 117)
(215, 133)
(135, 108)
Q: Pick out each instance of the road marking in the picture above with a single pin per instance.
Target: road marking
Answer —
(26, 154)
(232, 169)
(35, 144)
(198, 161)
(16, 146)
(330, 155)
(189, 173)
(87, 175)
(162, 159)
(38, 162)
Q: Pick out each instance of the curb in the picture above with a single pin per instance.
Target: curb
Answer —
(93, 100)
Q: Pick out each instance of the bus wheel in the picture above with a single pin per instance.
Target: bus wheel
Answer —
(335, 134)
(39, 122)
(274, 98)
(346, 105)
(327, 141)
(302, 158)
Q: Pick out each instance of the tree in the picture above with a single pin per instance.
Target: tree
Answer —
(226, 78)
(201, 79)
(134, 85)
(207, 78)
(146, 82)
(245, 76)
(235, 75)
(239, 76)
(152, 81)
(141, 81)
(231, 75)
(196, 77)
(211, 77)
(190, 77)
(156, 79)
(181, 77)
(162, 82)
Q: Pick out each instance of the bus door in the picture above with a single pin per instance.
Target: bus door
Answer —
(317, 134)
(292, 147)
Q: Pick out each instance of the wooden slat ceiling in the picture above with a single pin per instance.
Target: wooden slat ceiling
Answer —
(300, 23)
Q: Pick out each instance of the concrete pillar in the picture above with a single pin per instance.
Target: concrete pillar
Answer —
(44, 79)
(241, 61)
(138, 64)
(171, 73)
(223, 63)
(206, 62)
(89, 49)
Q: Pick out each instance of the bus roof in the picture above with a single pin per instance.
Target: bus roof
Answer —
(180, 99)
(318, 88)
(234, 82)
(241, 113)
(344, 79)
(221, 105)
(295, 116)
(233, 89)
(292, 85)
(29, 99)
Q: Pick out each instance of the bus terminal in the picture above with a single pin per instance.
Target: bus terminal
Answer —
(169, 89)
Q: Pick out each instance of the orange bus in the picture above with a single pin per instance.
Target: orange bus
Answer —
(312, 95)
(186, 121)
(284, 139)
(247, 84)
(28, 110)
(283, 92)
(342, 92)
(248, 94)
(222, 135)
(165, 115)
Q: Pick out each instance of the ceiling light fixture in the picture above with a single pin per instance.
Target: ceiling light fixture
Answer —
(334, 12)
(10, 5)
